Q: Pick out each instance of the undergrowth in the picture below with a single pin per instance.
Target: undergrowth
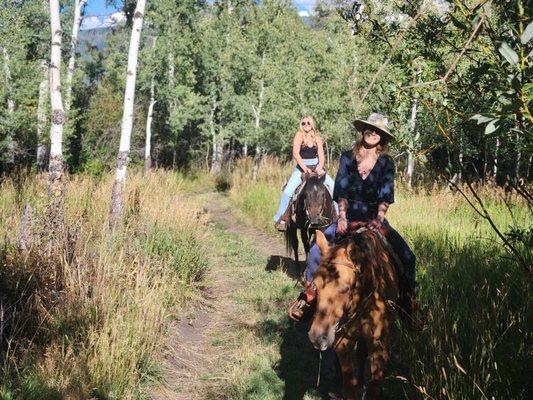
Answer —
(88, 319)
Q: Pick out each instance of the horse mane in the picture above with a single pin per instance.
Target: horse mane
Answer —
(366, 250)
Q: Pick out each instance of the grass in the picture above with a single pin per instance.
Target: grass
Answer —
(477, 298)
(91, 323)
(259, 354)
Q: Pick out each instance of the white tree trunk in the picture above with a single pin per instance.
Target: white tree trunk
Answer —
(496, 151)
(460, 172)
(257, 114)
(117, 201)
(518, 157)
(410, 155)
(216, 158)
(149, 118)
(171, 71)
(257, 161)
(78, 8)
(10, 144)
(55, 165)
(41, 117)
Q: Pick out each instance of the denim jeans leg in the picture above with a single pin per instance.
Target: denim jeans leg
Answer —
(403, 251)
(330, 183)
(313, 260)
(292, 184)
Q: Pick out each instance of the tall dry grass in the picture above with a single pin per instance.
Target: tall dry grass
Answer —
(477, 298)
(89, 323)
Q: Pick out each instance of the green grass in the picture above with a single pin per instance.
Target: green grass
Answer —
(91, 323)
(266, 356)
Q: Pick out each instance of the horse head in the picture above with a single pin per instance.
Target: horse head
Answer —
(316, 201)
(349, 273)
(335, 282)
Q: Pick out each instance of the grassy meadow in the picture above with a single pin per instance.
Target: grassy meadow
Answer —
(478, 301)
(91, 322)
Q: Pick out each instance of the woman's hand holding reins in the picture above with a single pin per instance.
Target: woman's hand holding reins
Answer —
(342, 225)
(376, 224)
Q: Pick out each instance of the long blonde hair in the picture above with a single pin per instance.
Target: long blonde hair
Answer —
(314, 134)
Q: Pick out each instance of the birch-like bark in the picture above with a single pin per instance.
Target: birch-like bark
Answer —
(41, 117)
(117, 200)
(56, 176)
(216, 158)
(460, 172)
(496, 151)
(257, 114)
(149, 118)
(78, 9)
(10, 144)
(257, 161)
(518, 157)
(410, 155)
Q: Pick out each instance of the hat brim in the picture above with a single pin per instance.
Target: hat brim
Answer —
(361, 123)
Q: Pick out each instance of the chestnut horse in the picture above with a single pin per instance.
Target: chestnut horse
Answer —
(356, 287)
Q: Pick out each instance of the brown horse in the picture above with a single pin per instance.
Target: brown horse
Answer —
(313, 209)
(356, 284)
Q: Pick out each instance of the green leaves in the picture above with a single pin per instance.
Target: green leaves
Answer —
(528, 34)
(491, 126)
(509, 54)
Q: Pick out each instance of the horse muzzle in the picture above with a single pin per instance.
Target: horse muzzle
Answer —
(322, 339)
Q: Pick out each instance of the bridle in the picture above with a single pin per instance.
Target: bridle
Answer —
(325, 221)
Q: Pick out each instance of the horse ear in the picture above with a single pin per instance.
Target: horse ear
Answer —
(322, 243)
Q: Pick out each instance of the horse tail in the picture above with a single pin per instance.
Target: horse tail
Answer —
(289, 235)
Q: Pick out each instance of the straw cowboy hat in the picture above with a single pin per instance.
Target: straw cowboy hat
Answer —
(377, 121)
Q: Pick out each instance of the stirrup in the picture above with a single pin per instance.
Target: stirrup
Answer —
(300, 310)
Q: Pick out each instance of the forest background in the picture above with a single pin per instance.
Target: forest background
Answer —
(221, 87)
(233, 78)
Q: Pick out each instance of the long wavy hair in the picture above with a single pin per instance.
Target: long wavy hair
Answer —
(382, 147)
(314, 134)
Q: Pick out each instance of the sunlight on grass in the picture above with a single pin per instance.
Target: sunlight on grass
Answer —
(96, 329)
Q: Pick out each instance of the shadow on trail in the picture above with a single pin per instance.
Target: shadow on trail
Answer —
(298, 366)
(287, 264)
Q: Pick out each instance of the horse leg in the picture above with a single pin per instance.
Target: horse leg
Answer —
(294, 244)
(343, 349)
(361, 354)
(379, 356)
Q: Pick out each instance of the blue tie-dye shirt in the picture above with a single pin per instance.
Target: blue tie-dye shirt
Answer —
(364, 195)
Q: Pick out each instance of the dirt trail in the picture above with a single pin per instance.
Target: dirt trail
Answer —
(189, 354)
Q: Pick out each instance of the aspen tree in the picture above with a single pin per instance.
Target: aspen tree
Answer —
(56, 167)
(78, 8)
(117, 194)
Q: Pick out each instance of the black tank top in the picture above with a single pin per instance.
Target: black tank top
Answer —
(307, 152)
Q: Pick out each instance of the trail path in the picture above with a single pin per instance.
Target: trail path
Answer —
(202, 358)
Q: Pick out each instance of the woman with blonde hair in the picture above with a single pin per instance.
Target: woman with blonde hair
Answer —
(308, 152)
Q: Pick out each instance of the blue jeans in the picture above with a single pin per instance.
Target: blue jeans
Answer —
(294, 182)
(397, 242)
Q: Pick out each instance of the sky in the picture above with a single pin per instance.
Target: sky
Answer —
(98, 7)
(97, 10)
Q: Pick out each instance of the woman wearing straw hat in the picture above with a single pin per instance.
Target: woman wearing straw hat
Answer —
(364, 190)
